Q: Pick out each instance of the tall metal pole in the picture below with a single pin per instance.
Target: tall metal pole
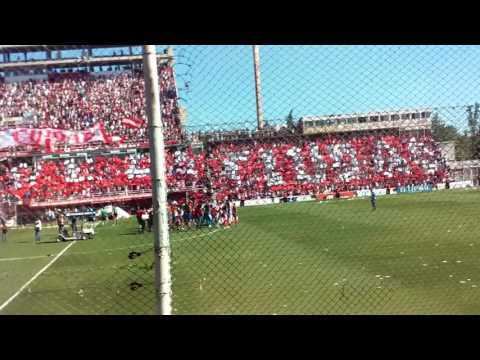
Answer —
(258, 87)
(157, 154)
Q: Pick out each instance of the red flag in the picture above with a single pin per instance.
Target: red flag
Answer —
(100, 134)
(133, 122)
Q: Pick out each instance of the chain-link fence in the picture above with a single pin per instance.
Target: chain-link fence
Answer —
(300, 179)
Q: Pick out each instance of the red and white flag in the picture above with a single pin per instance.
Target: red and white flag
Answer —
(133, 122)
(49, 137)
(100, 134)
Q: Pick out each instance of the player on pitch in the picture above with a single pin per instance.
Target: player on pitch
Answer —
(373, 199)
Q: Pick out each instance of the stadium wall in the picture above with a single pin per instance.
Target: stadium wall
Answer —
(359, 193)
(27, 77)
(461, 184)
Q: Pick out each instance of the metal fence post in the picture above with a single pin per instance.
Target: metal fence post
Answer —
(159, 186)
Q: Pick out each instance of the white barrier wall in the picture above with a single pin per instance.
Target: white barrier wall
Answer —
(255, 202)
(380, 192)
(360, 193)
(365, 193)
(304, 198)
(276, 200)
(461, 184)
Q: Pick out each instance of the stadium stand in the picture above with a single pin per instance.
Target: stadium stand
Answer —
(238, 164)
(244, 170)
(77, 101)
(254, 169)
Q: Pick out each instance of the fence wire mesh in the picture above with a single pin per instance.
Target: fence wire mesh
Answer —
(312, 180)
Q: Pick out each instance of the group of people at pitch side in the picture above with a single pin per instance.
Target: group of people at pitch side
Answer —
(62, 220)
(112, 216)
(37, 228)
(192, 214)
(144, 219)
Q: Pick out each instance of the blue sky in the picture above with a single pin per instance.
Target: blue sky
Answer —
(322, 80)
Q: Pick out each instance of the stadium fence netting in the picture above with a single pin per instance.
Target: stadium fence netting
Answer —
(300, 179)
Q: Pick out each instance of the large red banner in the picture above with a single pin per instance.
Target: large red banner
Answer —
(49, 137)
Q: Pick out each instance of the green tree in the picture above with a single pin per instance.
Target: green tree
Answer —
(473, 113)
(442, 131)
(473, 117)
(290, 120)
(463, 147)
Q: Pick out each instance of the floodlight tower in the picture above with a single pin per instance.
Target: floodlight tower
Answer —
(258, 87)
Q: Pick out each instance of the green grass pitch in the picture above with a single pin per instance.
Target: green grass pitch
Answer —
(417, 254)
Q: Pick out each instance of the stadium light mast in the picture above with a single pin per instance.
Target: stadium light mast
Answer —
(258, 87)
(159, 186)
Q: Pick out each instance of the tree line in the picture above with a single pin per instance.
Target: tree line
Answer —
(467, 143)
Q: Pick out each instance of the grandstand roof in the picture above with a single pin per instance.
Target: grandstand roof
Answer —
(81, 60)
(371, 113)
(16, 48)
(93, 61)
(458, 165)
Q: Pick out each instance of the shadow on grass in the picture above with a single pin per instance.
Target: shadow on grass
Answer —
(55, 242)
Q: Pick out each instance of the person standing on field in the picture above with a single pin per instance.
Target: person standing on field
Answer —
(74, 224)
(187, 215)
(207, 216)
(4, 229)
(115, 215)
(150, 220)
(38, 230)
(60, 222)
(373, 199)
(138, 214)
(144, 218)
(234, 213)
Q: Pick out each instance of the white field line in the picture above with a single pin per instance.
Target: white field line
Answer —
(25, 258)
(76, 253)
(5, 304)
(104, 250)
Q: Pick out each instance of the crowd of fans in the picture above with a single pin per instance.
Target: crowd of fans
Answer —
(239, 170)
(263, 169)
(78, 101)
(96, 176)
(185, 169)
(77, 177)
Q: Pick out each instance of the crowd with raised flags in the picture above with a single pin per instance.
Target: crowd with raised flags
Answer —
(72, 108)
